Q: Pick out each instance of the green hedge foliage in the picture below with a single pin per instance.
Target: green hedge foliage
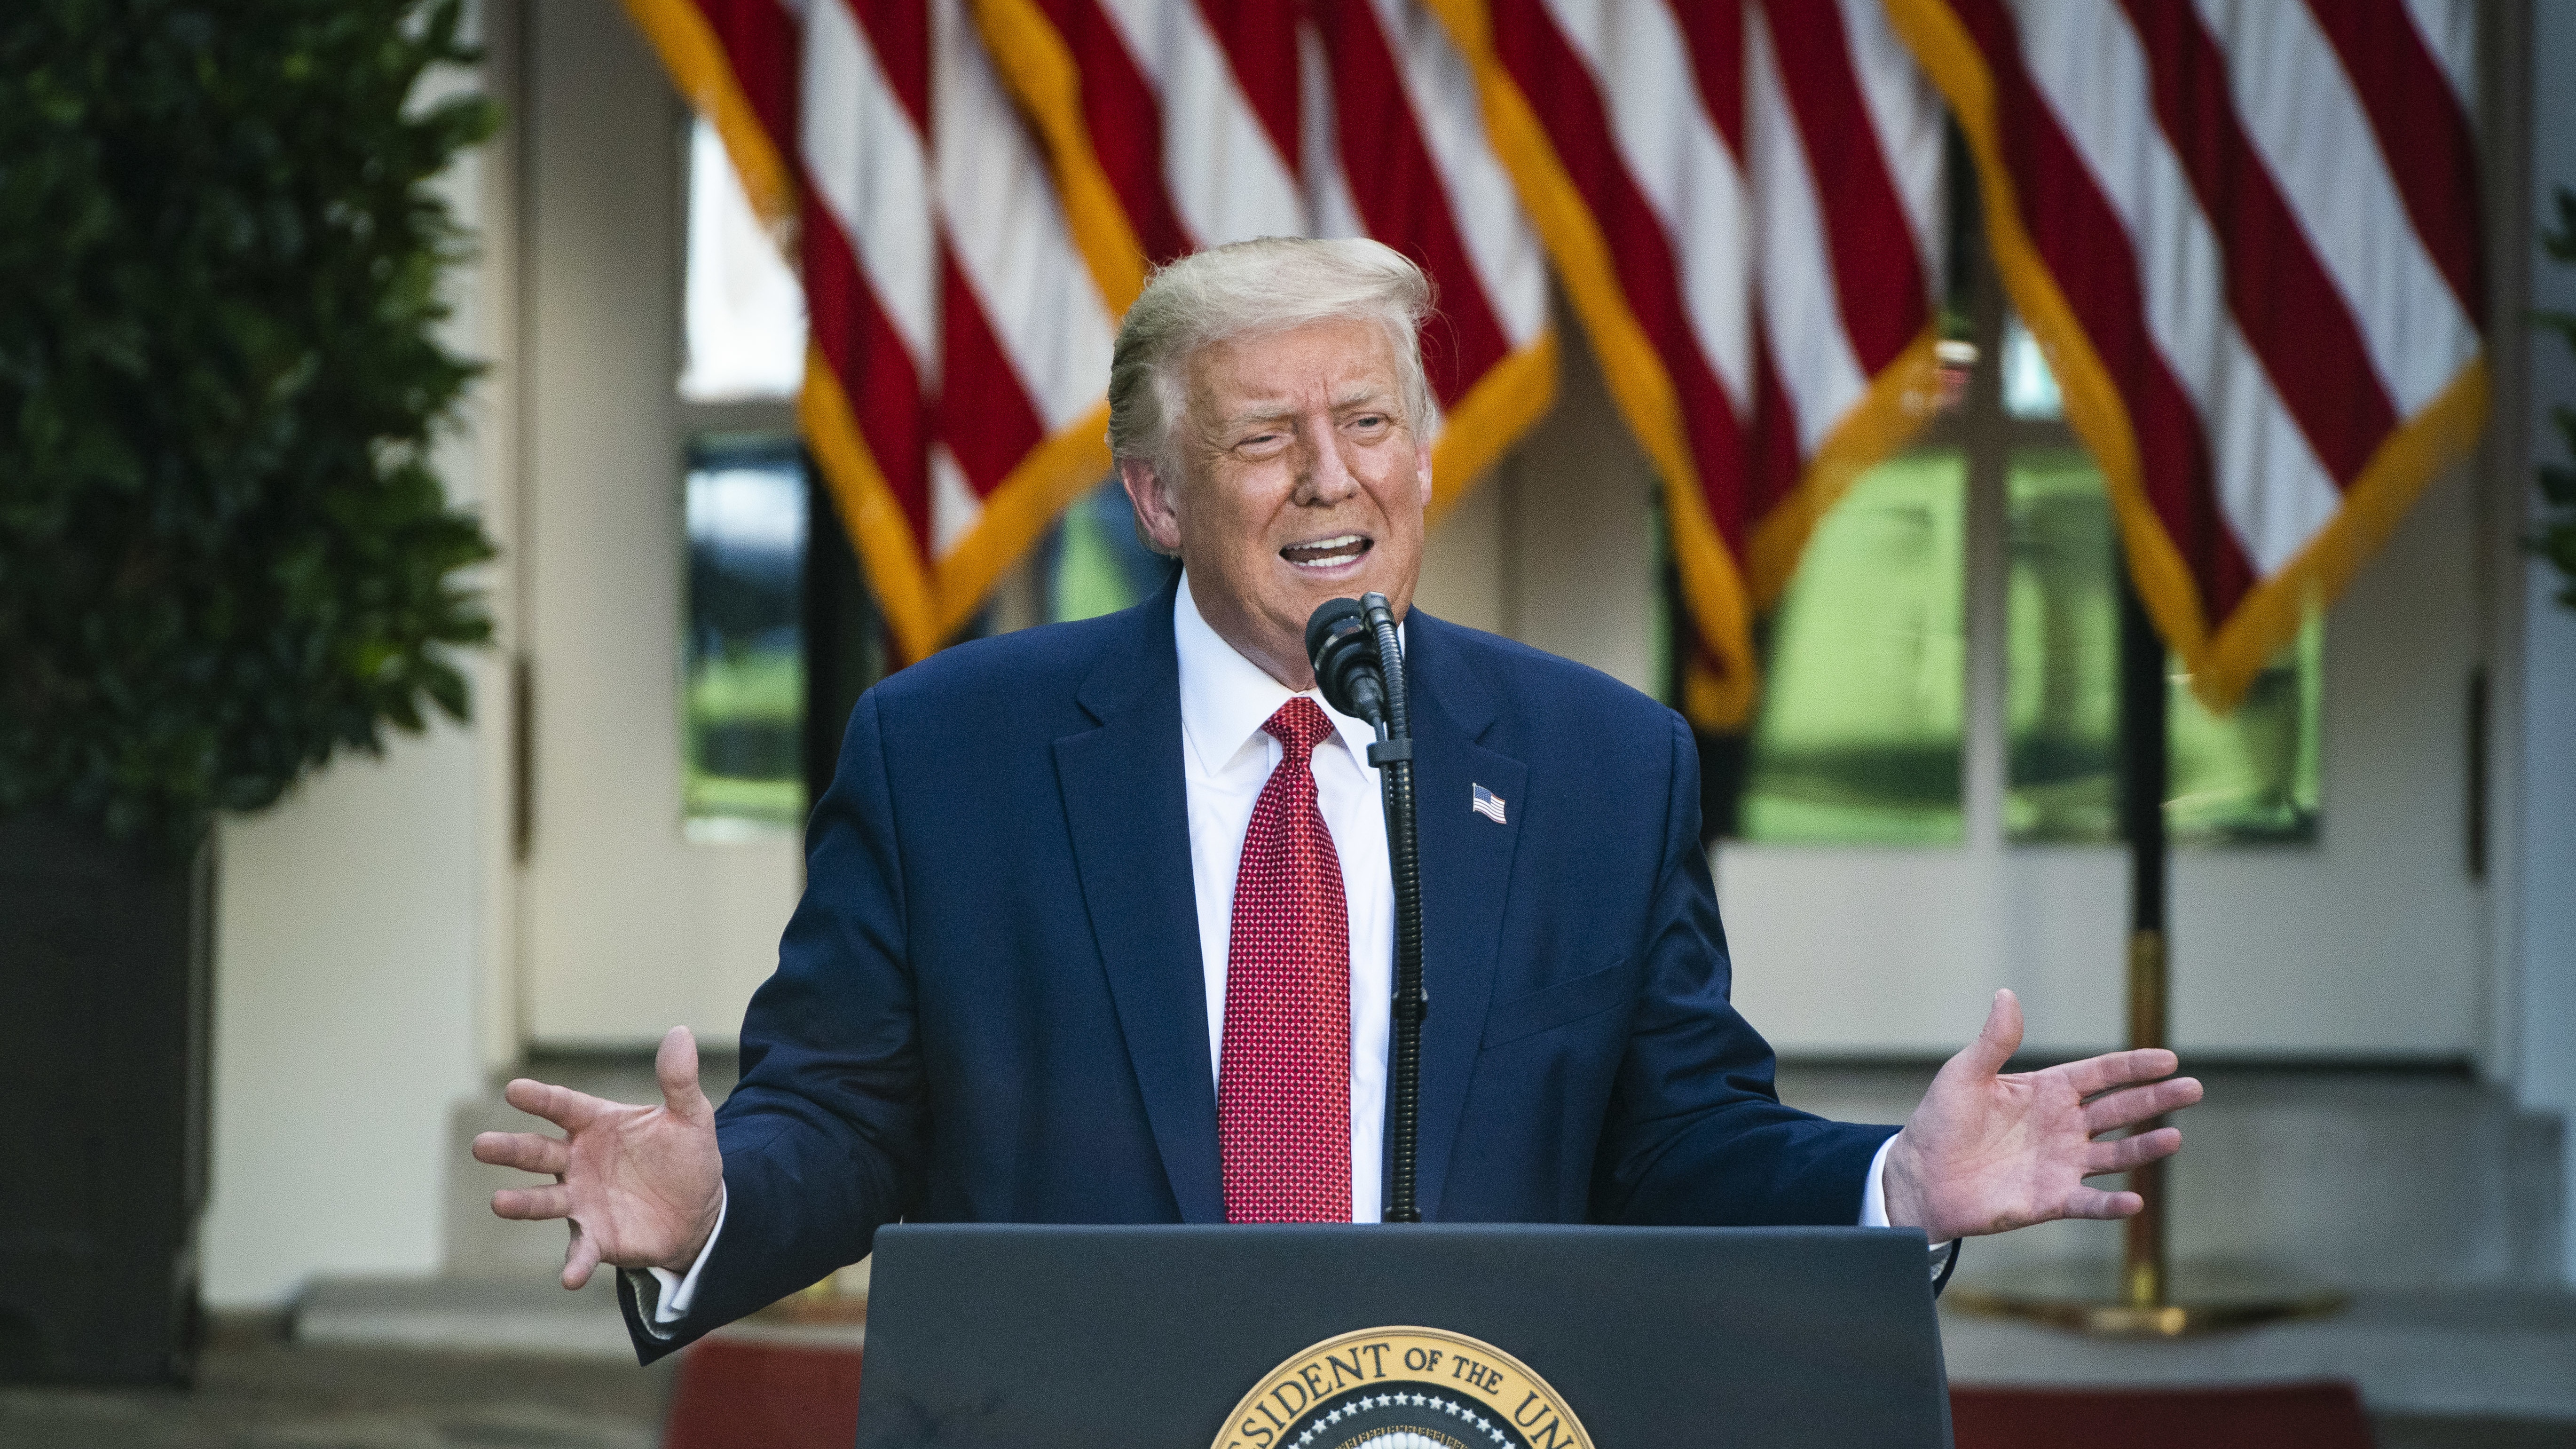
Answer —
(223, 552)
(2555, 538)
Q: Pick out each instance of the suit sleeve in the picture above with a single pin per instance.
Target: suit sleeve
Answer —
(822, 1137)
(1696, 1133)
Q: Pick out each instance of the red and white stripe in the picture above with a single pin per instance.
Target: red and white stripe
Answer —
(2261, 219)
(1843, 145)
(871, 246)
(1215, 122)
(1219, 87)
(1764, 179)
(947, 295)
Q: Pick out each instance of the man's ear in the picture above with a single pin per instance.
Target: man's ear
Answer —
(1422, 470)
(1153, 501)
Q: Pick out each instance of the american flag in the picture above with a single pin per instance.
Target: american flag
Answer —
(1488, 804)
(1743, 199)
(960, 333)
(2246, 235)
(1178, 124)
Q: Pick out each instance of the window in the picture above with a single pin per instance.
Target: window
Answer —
(2248, 776)
(748, 514)
(1858, 734)
(743, 673)
(1869, 716)
(742, 309)
(2245, 777)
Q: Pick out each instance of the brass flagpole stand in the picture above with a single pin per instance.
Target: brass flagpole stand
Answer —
(2145, 1303)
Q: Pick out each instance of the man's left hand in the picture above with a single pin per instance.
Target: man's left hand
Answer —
(1989, 1151)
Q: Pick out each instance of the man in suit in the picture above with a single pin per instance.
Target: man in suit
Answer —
(1097, 925)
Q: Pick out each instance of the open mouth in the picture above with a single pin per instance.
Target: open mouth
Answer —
(1328, 553)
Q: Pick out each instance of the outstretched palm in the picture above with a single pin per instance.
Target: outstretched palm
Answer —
(1988, 1150)
(641, 1185)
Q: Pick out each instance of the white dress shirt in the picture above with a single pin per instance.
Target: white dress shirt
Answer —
(1226, 757)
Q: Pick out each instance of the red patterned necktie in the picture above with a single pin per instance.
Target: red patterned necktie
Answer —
(1283, 1095)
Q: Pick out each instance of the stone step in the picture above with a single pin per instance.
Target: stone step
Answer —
(2485, 1353)
(532, 1315)
(2358, 1180)
(499, 1315)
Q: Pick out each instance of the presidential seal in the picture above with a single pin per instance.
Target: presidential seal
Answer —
(1402, 1388)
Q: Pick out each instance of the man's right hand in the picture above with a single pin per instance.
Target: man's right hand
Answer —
(642, 1185)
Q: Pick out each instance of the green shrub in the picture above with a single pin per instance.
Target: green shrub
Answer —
(2555, 538)
(223, 552)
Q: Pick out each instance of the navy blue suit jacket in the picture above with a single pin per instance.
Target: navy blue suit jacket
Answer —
(990, 1004)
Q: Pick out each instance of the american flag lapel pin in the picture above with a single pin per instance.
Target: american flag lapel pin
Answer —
(1488, 804)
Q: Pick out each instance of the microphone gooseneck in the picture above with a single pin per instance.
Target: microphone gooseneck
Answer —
(1359, 667)
(1393, 755)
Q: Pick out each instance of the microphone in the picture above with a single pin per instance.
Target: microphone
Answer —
(1359, 666)
(1343, 649)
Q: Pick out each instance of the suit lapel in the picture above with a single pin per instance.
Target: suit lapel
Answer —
(1126, 803)
(1466, 875)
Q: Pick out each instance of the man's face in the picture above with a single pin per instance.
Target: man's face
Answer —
(1301, 482)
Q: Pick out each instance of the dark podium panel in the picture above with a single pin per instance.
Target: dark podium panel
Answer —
(1146, 1337)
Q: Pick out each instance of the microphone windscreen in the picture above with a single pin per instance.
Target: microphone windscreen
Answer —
(1331, 617)
(1343, 651)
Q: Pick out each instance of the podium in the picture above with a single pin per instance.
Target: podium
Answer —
(1437, 1336)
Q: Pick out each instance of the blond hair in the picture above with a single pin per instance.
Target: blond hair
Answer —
(1248, 288)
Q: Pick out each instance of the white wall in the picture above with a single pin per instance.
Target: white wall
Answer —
(362, 935)
(344, 1021)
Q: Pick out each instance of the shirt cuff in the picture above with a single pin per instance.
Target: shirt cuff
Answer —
(1873, 1193)
(672, 1303)
(1873, 1204)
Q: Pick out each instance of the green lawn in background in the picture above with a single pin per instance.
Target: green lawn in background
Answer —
(1089, 579)
(745, 717)
(750, 684)
(1858, 735)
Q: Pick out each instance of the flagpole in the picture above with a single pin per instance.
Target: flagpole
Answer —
(2146, 1303)
(2145, 689)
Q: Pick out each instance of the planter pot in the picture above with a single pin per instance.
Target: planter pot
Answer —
(104, 986)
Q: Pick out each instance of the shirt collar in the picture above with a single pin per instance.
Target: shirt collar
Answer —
(1226, 698)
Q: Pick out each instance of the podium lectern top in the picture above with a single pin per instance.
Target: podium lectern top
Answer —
(1383, 1337)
